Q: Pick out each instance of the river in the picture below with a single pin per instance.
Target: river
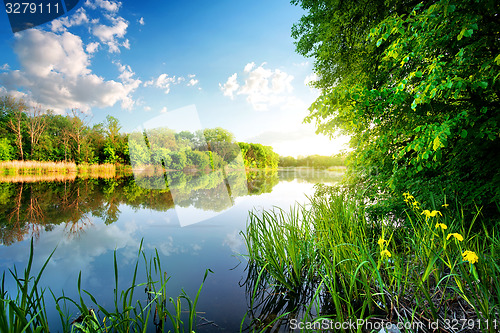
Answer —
(194, 224)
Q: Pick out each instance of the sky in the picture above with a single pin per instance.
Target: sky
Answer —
(232, 62)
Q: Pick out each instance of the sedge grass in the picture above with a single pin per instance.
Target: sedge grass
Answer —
(26, 312)
(413, 272)
(36, 167)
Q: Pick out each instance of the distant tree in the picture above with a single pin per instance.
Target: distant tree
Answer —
(37, 124)
(16, 109)
(78, 127)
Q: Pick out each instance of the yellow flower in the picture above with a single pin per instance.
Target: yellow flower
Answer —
(445, 205)
(428, 213)
(415, 203)
(457, 236)
(381, 241)
(435, 212)
(470, 256)
(385, 253)
(442, 225)
(406, 194)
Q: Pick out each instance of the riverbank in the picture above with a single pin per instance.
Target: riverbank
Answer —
(329, 264)
(32, 171)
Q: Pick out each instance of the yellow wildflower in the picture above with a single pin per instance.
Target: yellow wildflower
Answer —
(470, 256)
(442, 225)
(385, 253)
(435, 212)
(445, 205)
(428, 213)
(457, 236)
(381, 241)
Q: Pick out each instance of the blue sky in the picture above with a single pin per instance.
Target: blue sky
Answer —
(135, 60)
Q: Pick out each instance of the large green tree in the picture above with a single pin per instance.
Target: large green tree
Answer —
(416, 86)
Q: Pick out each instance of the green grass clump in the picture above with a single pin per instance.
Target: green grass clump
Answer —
(27, 311)
(423, 271)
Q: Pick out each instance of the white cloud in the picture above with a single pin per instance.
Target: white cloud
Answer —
(111, 6)
(263, 87)
(310, 79)
(163, 109)
(4, 67)
(141, 21)
(130, 84)
(92, 47)
(230, 86)
(55, 72)
(164, 82)
(193, 82)
(78, 18)
(147, 108)
(109, 34)
(249, 67)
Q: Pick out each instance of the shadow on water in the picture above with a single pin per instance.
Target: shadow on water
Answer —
(28, 208)
(274, 308)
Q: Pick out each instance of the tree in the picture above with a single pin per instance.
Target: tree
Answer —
(16, 110)
(78, 121)
(419, 96)
(36, 125)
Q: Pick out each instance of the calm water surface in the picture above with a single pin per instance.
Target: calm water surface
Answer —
(194, 226)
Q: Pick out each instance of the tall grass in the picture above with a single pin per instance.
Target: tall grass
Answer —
(12, 171)
(415, 271)
(26, 312)
(36, 167)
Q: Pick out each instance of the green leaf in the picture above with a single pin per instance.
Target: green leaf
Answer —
(463, 134)
(483, 84)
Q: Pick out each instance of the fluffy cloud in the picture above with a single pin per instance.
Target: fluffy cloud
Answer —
(141, 21)
(230, 86)
(78, 18)
(55, 72)
(111, 6)
(109, 35)
(310, 79)
(263, 87)
(92, 47)
(164, 82)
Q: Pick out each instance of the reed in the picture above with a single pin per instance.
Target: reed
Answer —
(423, 271)
(36, 167)
(96, 170)
(26, 311)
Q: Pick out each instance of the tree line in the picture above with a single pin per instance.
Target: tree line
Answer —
(312, 161)
(30, 133)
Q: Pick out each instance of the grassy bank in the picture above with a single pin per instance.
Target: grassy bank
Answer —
(429, 270)
(26, 311)
(13, 171)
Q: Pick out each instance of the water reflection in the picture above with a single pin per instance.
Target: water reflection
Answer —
(26, 209)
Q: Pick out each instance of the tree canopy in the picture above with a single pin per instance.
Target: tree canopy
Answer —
(416, 86)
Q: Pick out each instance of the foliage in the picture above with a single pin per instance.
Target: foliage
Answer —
(418, 93)
(256, 155)
(312, 161)
(6, 151)
(341, 267)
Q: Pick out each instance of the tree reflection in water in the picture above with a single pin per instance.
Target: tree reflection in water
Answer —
(28, 208)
